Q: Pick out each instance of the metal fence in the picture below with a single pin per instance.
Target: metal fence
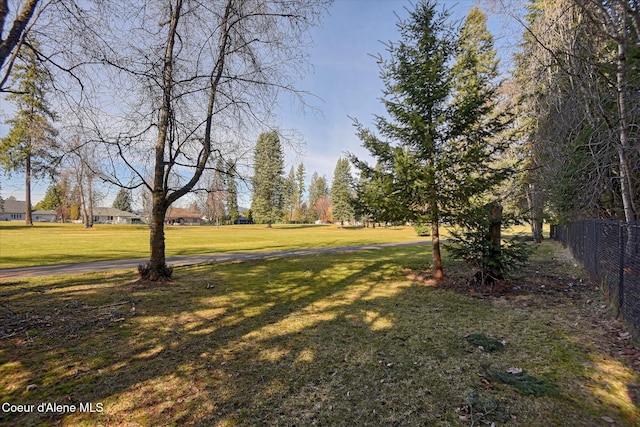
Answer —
(610, 252)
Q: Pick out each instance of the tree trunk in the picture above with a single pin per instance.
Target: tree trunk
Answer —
(438, 272)
(83, 201)
(86, 194)
(534, 200)
(27, 214)
(157, 268)
(626, 189)
(495, 225)
(89, 223)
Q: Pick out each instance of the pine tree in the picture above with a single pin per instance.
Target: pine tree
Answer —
(123, 200)
(342, 192)
(58, 197)
(417, 90)
(434, 152)
(477, 138)
(268, 180)
(477, 123)
(298, 195)
(289, 196)
(29, 145)
(51, 200)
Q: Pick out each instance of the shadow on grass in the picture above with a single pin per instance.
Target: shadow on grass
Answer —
(332, 340)
(7, 225)
(52, 259)
(300, 226)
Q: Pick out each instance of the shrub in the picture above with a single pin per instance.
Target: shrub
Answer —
(474, 246)
(422, 229)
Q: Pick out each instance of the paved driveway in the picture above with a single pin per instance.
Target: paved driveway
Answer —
(90, 267)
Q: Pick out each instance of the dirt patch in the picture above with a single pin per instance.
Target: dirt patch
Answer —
(144, 284)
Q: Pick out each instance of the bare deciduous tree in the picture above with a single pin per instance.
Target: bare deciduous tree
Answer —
(182, 79)
(580, 96)
(613, 20)
(82, 163)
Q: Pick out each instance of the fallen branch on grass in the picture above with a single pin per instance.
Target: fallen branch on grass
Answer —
(115, 304)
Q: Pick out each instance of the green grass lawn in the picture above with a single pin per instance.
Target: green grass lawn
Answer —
(337, 340)
(48, 244)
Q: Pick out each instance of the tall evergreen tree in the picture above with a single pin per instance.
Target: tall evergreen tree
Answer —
(52, 198)
(477, 122)
(268, 179)
(417, 90)
(29, 145)
(123, 200)
(435, 152)
(342, 192)
(478, 139)
(298, 195)
(289, 194)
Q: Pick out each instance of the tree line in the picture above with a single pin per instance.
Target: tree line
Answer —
(577, 78)
(280, 198)
(462, 145)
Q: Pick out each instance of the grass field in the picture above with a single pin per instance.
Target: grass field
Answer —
(48, 244)
(362, 338)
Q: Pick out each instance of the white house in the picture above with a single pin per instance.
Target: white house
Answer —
(44, 216)
(14, 210)
(114, 216)
(182, 216)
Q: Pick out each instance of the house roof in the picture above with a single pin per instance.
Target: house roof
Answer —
(18, 206)
(112, 212)
(12, 206)
(174, 212)
(44, 212)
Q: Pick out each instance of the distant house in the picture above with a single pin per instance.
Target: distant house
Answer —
(242, 220)
(182, 216)
(44, 216)
(14, 210)
(114, 216)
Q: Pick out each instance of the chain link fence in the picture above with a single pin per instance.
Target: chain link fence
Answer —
(610, 252)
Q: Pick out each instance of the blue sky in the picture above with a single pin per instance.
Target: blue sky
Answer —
(343, 75)
(346, 77)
